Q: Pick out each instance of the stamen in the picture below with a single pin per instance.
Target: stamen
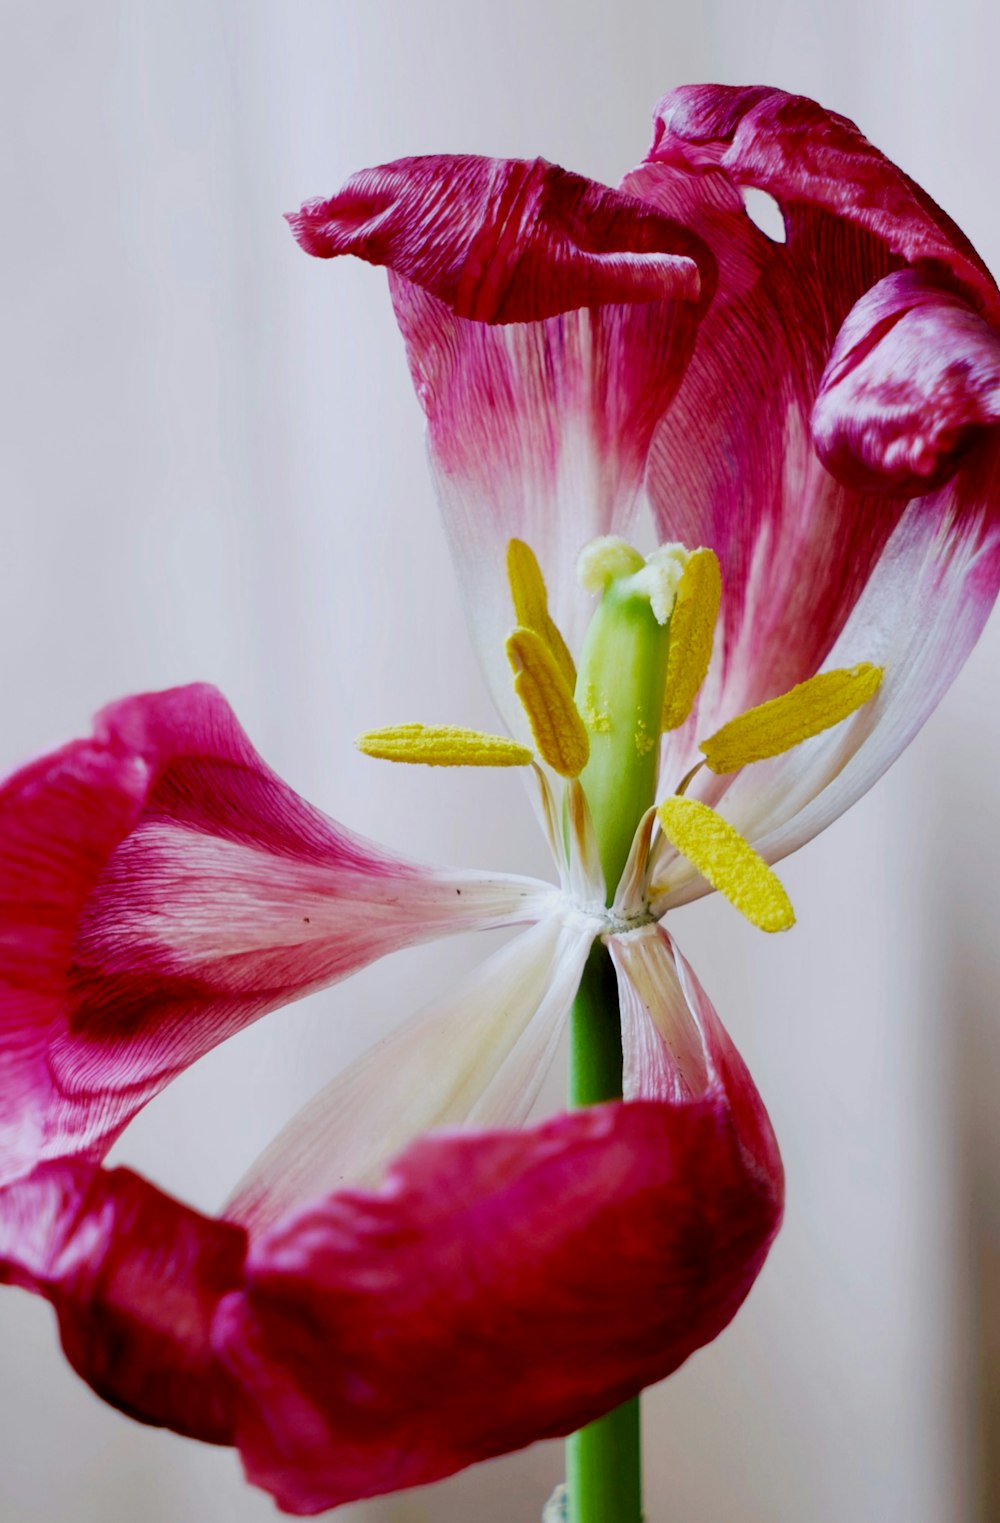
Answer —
(776, 726)
(442, 745)
(692, 627)
(531, 604)
(547, 699)
(728, 861)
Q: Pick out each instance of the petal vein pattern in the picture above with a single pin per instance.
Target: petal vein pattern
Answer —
(475, 1057)
(161, 887)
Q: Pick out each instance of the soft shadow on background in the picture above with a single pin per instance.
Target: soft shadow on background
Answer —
(214, 468)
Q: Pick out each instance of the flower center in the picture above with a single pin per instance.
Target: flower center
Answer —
(645, 655)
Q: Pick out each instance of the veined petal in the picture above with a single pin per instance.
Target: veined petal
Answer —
(675, 1047)
(918, 618)
(475, 1057)
(162, 888)
(543, 350)
(500, 1288)
(135, 1279)
(812, 159)
(557, 1269)
(913, 379)
(734, 465)
(501, 240)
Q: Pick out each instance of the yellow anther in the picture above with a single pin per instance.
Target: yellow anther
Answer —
(547, 698)
(442, 745)
(692, 627)
(531, 604)
(777, 726)
(728, 861)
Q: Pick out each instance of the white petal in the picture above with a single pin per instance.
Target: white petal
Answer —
(476, 1057)
(669, 1026)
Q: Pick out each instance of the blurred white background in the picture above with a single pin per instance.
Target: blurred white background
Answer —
(213, 467)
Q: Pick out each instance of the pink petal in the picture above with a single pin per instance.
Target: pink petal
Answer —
(913, 379)
(919, 616)
(813, 160)
(166, 888)
(135, 1279)
(538, 429)
(734, 463)
(502, 240)
(475, 1057)
(500, 1288)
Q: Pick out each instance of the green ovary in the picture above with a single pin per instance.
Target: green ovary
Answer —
(619, 693)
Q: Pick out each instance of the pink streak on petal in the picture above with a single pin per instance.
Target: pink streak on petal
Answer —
(811, 158)
(548, 321)
(734, 463)
(675, 1047)
(913, 378)
(171, 889)
(499, 1289)
(503, 240)
(135, 1279)
(60, 818)
(539, 431)
(919, 616)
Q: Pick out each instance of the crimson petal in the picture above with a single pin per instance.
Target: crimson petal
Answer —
(734, 464)
(913, 379)
(548, 320)
(135, 1279)
(500, 1288)
(502, 240)
(161, 888)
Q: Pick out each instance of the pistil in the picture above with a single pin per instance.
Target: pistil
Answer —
(620, 687)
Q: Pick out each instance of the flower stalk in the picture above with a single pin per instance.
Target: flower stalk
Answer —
(603, 1460)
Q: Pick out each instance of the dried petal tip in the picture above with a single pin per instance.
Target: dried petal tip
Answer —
(505, 240)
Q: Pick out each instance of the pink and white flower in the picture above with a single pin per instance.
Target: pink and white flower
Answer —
(377, 1307)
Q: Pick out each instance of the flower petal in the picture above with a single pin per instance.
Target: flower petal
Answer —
(164, 889)
(809, 562)
(918, 618)
(913, 378)
(475, 1057)
(538, 429)
(135, 1279)
(501, 240)
(500, 1288)
(811, 159)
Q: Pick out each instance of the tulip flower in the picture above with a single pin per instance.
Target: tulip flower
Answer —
(413, 1277)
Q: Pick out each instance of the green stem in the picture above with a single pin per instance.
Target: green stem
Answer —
(603, 1460)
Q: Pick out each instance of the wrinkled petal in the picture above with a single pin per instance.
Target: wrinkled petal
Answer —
(162, 888)
(919, 617)
(501, 240)
(500, 1288)
(543, 361)
(813, 567)
(675, 1048)
(813, 160)
(913, 378)
(135, 1279)
(477, 1056)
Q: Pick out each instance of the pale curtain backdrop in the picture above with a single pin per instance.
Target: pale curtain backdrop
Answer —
(213, 468)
